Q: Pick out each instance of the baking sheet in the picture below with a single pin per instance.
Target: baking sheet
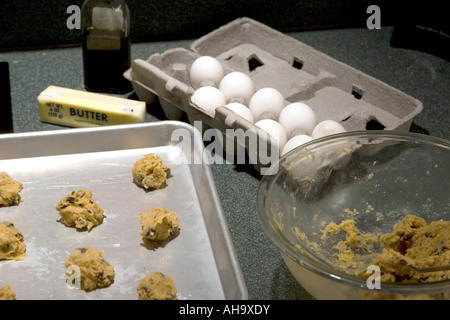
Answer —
(201, 258)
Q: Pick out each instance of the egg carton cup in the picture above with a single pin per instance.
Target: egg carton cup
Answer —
(334, 90)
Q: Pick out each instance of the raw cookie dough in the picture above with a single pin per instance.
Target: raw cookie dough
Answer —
(415, 242)
(354, 241)
(150, 173)
(6, 293)
(79, 210)
(158, 224)
(12, 245)
(157, 286)
(412, 241)
(95, 272)
(9, 191)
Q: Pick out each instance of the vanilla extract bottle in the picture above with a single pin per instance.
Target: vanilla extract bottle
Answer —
(106, 44)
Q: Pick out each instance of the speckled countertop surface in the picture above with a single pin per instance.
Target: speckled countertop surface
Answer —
(421, 75)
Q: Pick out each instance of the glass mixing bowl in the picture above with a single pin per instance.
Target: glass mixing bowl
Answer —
(373, 178)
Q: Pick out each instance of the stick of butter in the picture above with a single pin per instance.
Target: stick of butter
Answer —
(75, 108)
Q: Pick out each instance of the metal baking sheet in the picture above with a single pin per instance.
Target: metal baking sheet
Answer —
(51, 164)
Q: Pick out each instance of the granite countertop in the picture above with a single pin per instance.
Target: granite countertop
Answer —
(421, 75)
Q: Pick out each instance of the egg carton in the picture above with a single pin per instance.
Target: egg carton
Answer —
(334, 90)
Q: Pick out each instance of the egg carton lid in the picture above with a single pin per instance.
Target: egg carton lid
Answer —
(334, 90)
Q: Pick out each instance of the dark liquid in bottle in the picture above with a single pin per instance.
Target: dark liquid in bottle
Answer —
(6, 120)
(106, 56)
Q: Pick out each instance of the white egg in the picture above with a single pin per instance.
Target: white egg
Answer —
(295, 142)
(275, 130)
(297, 118)
(241, 110)
(266, 103)
(327, 127)
(208, 99)
(206, 71)
(237, 87)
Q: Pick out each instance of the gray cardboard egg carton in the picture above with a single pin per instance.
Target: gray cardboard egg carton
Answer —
(331, 88)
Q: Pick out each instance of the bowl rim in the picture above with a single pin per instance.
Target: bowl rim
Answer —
(293, 253)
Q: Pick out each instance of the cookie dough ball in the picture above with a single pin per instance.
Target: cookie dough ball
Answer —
(157, 286)
(149, 172)
(95, 272)
(79, 210)
(158, 224)
(12, 245)
(9, 191)
(6, 293)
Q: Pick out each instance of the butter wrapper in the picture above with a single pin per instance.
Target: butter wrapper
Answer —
(74, 108)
